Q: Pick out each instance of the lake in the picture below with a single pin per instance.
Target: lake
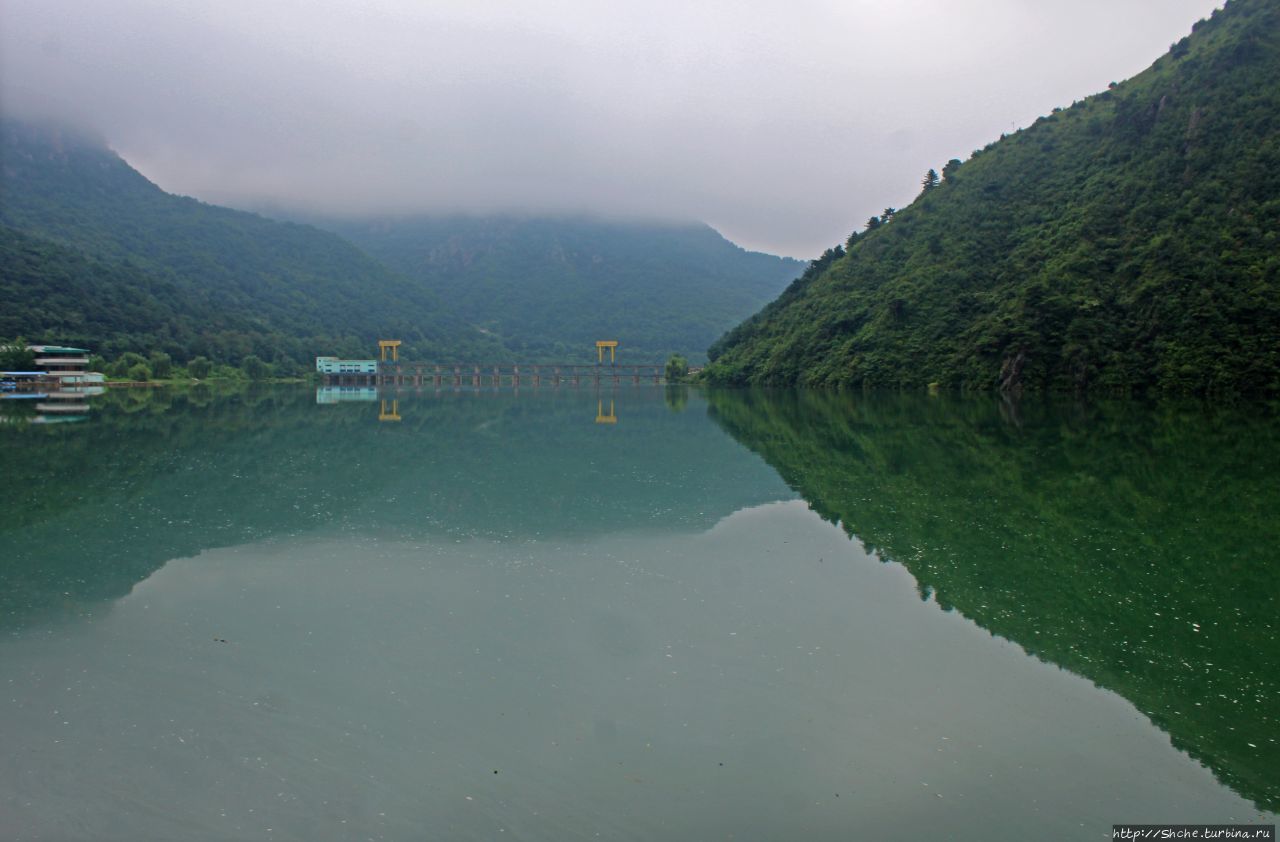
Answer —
(636, 613)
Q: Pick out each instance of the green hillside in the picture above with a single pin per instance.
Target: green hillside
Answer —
(549, 287)
(91, 253)
(1129, 241)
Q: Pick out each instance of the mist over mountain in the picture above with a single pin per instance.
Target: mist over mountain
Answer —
(1117, 244)
(781, 125)
(93, 253)
(549, 286)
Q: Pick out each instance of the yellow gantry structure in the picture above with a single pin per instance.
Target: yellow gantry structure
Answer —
(601, 418)
(611, 344)
(394, 414)
(392, 345)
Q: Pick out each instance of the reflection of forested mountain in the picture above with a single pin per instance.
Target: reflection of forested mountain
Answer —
(1133, 546)
(90, 512)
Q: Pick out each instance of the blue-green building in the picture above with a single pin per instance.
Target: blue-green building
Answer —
(333, 367)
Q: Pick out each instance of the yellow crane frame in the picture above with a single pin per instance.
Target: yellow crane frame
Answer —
(611, 344)
(392, 345)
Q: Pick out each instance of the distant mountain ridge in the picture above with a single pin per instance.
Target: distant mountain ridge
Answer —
(1130, 241)
(93, 253)
(549, 286)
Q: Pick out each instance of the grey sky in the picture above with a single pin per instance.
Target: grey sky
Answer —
(784, 125)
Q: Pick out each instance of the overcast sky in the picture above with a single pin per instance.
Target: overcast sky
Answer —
(782, 124)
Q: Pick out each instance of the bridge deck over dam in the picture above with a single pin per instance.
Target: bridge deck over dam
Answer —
(397, 373)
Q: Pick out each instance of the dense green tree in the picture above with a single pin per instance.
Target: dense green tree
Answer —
(255, 368)
(14, 355)
(677, 369)
(139, 372)
(199, 367)
(120, 367)
(930, 180)
(161, 364)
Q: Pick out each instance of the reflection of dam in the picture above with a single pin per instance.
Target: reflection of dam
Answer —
(389, 402)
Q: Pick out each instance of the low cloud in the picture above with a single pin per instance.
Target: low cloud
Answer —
(783, 125)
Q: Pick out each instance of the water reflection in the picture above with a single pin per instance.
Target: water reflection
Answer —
(1134, 545)
(164, 474)
(339, 394)
(60, 404)
(1131, 545)
(389, 401)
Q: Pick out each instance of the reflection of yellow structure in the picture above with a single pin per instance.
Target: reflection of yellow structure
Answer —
(601, 418)
(394, 414)
(611, 344)
(392, 345)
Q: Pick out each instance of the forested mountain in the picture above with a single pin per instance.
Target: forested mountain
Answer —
(549, 287)
(92, 253)
(1131, 240)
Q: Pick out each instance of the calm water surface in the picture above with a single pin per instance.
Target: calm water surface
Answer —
(635, 614)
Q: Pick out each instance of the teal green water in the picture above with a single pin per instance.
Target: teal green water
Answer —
(636, 614)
